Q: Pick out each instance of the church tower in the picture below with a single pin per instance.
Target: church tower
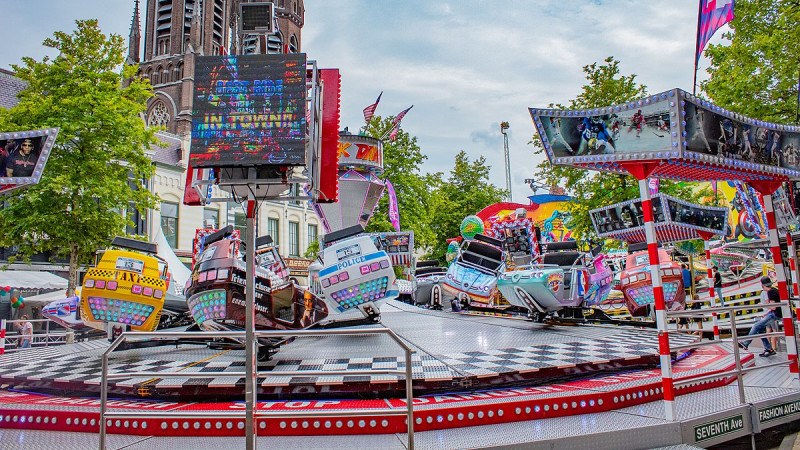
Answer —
(177, 31)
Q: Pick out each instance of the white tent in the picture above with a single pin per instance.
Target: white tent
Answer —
(179, 273)
(31, 279)
(43, 299)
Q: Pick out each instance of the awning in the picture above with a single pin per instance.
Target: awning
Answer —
(31, 279)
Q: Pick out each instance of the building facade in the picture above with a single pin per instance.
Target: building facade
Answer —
(175, 33)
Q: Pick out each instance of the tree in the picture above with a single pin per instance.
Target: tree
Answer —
(589, 189)
(98, 164)
(312, 250)
(756, 73)
(464, 193)
(402, 159)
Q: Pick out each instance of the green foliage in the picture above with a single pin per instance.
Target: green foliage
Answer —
(402, 159)
(312, 250)
(74, 210)
(756, 73)
(465, 192)
(591, 189)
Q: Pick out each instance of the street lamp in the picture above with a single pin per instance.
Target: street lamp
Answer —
(503, 128)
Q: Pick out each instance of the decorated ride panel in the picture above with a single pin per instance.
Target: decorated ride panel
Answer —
(473, 274)
(536, 287)
(692, 139)
(519, 239)
(124, 291)
(360, 152)
(674, 220)
(352, 273)
(198, 244)
(216, 294)
(65, 312)
(399, 245)
(637, 286)
(23, 155)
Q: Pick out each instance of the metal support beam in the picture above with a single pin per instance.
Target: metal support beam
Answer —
(250, 339)
(780, 274)
(658, 294)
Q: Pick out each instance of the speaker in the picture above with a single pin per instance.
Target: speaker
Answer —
(258, 17)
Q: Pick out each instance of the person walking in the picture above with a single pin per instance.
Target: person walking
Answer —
(25, 332)
(718, 285)
(769, 295)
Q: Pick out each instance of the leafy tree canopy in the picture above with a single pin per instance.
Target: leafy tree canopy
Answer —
(756, 73)
(402, 159)
(97, 165)
(465, 192)
(589, 189)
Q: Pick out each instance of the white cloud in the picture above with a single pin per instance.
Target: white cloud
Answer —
(466, 65)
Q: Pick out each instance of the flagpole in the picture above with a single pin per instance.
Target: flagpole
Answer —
(697, 45)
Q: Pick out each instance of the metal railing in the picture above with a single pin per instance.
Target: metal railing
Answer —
(734, 339)
(240, 336)
(40, 338)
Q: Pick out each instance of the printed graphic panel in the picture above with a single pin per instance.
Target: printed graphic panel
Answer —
(643, 129)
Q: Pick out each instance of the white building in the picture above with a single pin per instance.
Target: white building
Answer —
(292, 225)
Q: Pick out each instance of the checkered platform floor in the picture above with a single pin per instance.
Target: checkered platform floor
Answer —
(573, 346)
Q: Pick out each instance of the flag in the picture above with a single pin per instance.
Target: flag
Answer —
(393, 134)
(369, 111)
(713, 15)
(394, 211)
(396, 124)
(653, 185)
(401, 115)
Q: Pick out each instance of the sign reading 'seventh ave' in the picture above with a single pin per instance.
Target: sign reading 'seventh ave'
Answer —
(718, 428)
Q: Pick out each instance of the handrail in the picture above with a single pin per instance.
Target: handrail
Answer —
(739, 370)
(240, 335)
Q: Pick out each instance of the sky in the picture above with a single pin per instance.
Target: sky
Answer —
(465, 65)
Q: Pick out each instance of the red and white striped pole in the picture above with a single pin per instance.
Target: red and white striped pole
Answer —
(2, 336)
(658, 294)
(788, 321)
(712, 295)
(792, 256)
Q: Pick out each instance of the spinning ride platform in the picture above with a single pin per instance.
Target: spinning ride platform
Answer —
(474, 382)
(452, 352)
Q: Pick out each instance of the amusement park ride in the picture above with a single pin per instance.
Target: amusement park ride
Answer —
(467, 371)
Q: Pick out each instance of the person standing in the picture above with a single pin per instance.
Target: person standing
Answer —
(25, 332)
(718, 285)
(687, 280)
(768, 295)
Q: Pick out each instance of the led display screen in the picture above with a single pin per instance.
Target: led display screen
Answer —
(249, 111)
(641, 129)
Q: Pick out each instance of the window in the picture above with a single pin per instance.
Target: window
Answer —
(169, 222)
(159, 117)
(240, 223)
(294, 238)
(211, 219)
(273, 229)
(312, 234)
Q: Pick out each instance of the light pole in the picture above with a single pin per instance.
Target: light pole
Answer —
(503, 128)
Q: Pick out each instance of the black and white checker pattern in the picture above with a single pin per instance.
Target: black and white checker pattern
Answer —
(80, 363)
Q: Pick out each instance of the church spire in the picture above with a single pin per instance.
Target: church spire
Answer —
(195, 33)
(134, 38)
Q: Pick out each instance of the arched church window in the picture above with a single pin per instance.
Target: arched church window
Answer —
(159, 116)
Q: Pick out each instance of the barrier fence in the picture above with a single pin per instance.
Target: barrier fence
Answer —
(106, 416)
